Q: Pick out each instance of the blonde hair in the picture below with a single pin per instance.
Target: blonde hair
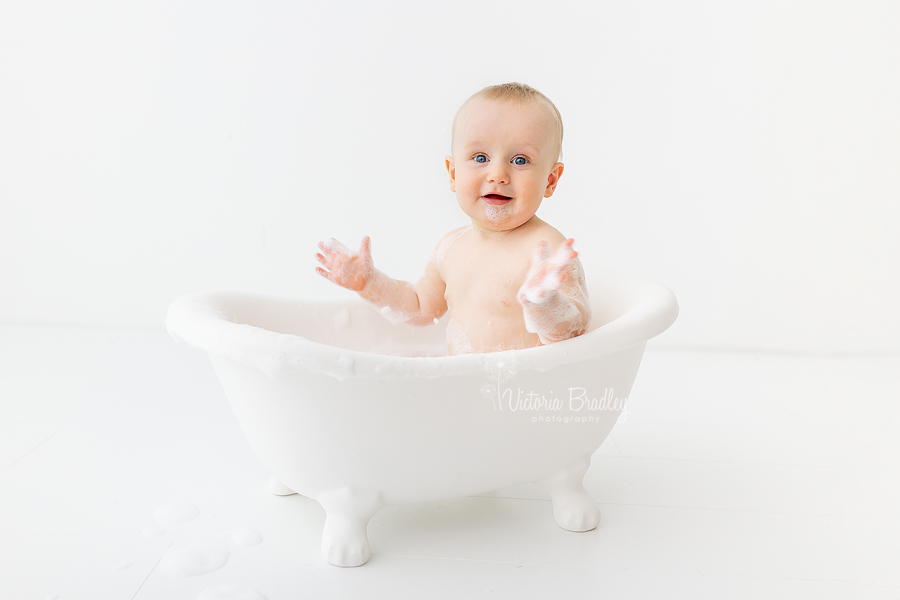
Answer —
(518, 93)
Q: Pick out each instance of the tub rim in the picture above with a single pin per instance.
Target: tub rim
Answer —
(195, 319)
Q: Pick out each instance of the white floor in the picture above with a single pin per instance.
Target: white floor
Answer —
(732, 476)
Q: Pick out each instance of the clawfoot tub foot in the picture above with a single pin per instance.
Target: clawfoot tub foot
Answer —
(573, 508)
(347, 513)
(279, 489)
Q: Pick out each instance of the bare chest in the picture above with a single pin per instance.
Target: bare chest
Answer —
(484, 279)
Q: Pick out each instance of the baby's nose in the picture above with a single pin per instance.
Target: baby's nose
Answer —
(498, 174)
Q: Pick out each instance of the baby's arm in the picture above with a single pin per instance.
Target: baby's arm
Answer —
(553, 297)
(398, 301)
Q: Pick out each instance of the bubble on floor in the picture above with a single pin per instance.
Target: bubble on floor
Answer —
(152, 531)
(123, 565)
(242, 537)
(229, 592)
(176, 512)
(194, 559)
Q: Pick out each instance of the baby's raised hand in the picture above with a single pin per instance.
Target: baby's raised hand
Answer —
(344, 268)
(546, 273)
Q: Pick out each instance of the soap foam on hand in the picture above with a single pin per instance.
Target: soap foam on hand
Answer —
(343, 267)
(553, 320)
(544, 275)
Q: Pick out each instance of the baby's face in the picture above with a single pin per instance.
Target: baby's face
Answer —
(504, 162)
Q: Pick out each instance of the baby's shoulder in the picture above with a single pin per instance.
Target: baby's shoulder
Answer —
(546, 232)
(440, 249)
(455, 234)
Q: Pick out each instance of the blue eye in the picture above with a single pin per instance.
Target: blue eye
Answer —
(520, 160)
(480, 158)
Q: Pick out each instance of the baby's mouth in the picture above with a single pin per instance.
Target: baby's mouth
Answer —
(496, 199)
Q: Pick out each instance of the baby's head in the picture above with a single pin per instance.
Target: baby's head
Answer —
(506, 145)
(516, 94)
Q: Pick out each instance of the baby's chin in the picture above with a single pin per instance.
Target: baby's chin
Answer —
(504, 217)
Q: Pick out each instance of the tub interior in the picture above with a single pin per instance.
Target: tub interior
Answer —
(353, 324)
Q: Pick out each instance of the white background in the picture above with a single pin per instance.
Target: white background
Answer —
(746, 154)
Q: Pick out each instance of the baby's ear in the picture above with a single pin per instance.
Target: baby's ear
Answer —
(553, 179)
(451, 169)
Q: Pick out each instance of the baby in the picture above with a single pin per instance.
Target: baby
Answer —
(497, 277)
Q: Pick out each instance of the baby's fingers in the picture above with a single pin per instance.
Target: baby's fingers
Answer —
(563, 256)
(540, 252)
(365, 249)
(327, 275)
(332, 247)
(324, 260)
(538, 263)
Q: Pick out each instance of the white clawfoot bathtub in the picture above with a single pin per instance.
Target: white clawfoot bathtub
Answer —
(336, 413)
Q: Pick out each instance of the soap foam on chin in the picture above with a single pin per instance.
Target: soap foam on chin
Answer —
(497, 213)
